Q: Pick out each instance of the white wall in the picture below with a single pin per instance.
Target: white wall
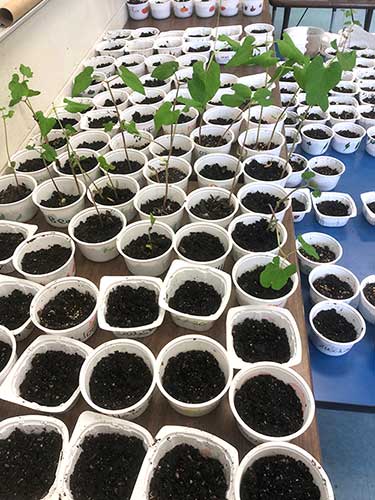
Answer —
(52, 42)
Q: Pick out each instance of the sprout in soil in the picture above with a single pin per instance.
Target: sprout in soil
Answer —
(107, 167)
(149, 230)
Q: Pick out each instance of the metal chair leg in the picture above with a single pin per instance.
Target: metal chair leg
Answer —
(368, 19)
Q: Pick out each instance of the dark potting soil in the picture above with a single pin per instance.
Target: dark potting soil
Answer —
(314, 116)
(129, 64)
(94, 145)
(258, 31)
(217, 172)
(201, 247)
(174, 175)
(316, 133)
(326, 255)
(256, 237)
(178, 151)
(185, 473)
(154, 82)
(114, 47)
(348, 133)
(256, 120)
(226, 85)
(371, 206)
(64, 122)
(96, 229)
(87, 163)
(140, 248)
(297, 164)
(196, 298)
(152, 100)
(262, 202)
(193, 377)
(119, 380)
(103, 65)
(344, 115)
(67, 309)
(368, 114)
(15, 309)
(213, 208)
(102, 120)
(269, 406)
(28, 463)
(8, 243)
(5, 353)
(52, 378)
(110, 196)
(271, 171)
(58, 143)
(221, 121)
(333, 287)
(334, 208)
(298, 206)
(202, 48)
(157, 207)
(126, 167)
(31, 165)
(369, 292)
(45, 260)
(131, 307)
(146, 34)
(14, 193)
(250, 283)
(290, 121)
(343, 90)
(334, 326)
(139, 118)
(369, 100)
(278, 476)
(108, 103)
(118, 86)
(184, 118)
(107, 467)
(262, 146)
(59, 199)
(210, 141)
(256, 340)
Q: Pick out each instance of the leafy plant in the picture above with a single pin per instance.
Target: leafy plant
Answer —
(275, 276)
(131, 80)
(309, 249)
(165, 70)
(83, 80)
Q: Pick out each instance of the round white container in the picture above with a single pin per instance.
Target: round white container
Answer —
(133, 155)
(9, 339)
(90, 136)
(326, 182)
(211, 130)
(343, 274)
(370, 143)
(264, 187)
(27, 230)
(87, 177)
(306, 265)
(203, 194)
(231, 162)
(143, 109)
(158, 164)
(367, 198)
(347, 145)
(315, 146)
(248, 139)
(160, 148)
(263, 159)
(139, 143)
(25, 154)
(22, 210)
(227, 113)
(365, 307)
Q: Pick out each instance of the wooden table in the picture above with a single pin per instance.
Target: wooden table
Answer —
(219, 422)
(288, 5)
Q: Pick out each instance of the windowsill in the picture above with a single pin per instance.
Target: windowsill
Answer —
(4, 32)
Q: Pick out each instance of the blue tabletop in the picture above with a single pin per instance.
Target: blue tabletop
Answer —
(348, 379)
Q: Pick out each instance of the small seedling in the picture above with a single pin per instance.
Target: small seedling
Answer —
(275, 276)
(149, 231)
(309, 249)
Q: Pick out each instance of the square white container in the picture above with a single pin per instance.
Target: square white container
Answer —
(9, 391)
(329, 220)
(178, 273)
(343, 274)
(109, 284)
(366, 198)
(171, 436)
(6, 265)
(281, 317)
(302, 195)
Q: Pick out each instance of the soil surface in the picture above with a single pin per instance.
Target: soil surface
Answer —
(28, 464)
(174, 175)
(260, 340)
(8, 243)
(86, 164)
(97, 229)
(210, 140)
(255, 237)
(334, 208)
(14, 193)
(102, 120)
(262, 146)
(59, 199)
(139, 118)
(94, 145)
(317, 133)
(140, 248)
(119, 380)
(196, 298)
(193, 377)
(107, 467)
(131, 307)
(152, 100)
(201, 247)
(326, 255)
(368, 114)
(15, 309)
(334, 326)
(111, 197)
(108, 103)
(67, 309)
(297, 164)
(278, 476)
(217, 172)
(344, 115)
(58, 143)
(184, 118)
(369, 292)
(52, 378)
(154, 82)
(31, 165)
(269, 406)
(348, 133)
(333, 287)
(250, 283)
(203, 48)
(262, 203)
(45, 260)
(298, 206)
(185, 473)
(325, 170)
(221, 121)
(63, 122)
(158, 208)
(271, 171)
(126, 167)
(5, 354)
(314, 116)
(213, 208)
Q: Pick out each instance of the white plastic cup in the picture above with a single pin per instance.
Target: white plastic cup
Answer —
(143, 109)
(139, 11)
(343, 274)
(331, 220)
(161, 9)
(252, 7)
(160, 148)
(231, 162)
(326, 182)
(90, 136)
(365, 307)
(211, 130)
(158, 164)
(313, 238)
(247, 141)
(88, 177)
(367, 198)
(347, 145)
(7, 338)
(22, 210)
(25, 154)
(27, 230)
(204, 193)
(133, 155)
(315, 146)
(304, 196)
(225, 112)
(264, 187)
(263, 159)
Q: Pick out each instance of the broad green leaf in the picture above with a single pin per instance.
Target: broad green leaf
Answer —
(82, 81)
(232, 100)
(190, 103)
(45, 124)
(320, 79)
(165, 116)
(17, 89)
(316, 193)
(289, 51)
(242, 90)
(131, 80)
(274, 276)
(152, 219)
(32, 93)
(263, 97)
(130, 127)
(212, 80)
(108, 167)
(26, 71)
(232, 43)
(243, 54)
(309, 249)
(334, 44)
(70, 130)
(347, 60)
(265, 60)
(165, 70)
(48, 153)
(308, 175)
(76, 107)
(108, 126)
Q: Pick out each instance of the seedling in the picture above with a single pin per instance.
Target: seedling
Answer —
(149, 244)
(7, 114)
(309, 249)
(275, 276)
(107, 167)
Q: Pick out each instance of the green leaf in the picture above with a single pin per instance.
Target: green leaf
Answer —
(243, 55)
(274, 276)
(289, 51)
(130, 127)
(263, 97)
(232, 100)
(334, 44)
(82, 81)
(203, 84)
(76, 107)
(131, 80)
(152, 219)
(48, 153)
(320, 79)
(308, 175)
(70, 130)
(32, 93)
(26, 71)
(45, 124)
(108, 167)
(242, 90)
(265, 60)
(165, 116)
(17, 89)
(309, 249)
(190, 103)
(108, 126)
(316, 193)
(232, 43)
(347, 60)
(165, 70)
